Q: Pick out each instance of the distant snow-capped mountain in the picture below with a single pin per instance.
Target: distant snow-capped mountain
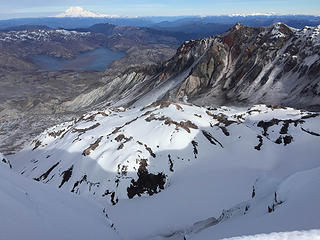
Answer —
(80, 12)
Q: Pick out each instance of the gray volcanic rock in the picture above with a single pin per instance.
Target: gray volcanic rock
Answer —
(29, 102)
(244, 66)
(276, 65)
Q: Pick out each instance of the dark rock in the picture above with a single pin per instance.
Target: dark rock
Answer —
(147, 182)
(66, 175)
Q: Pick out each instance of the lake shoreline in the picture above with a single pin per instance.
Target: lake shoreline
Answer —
(98, 59)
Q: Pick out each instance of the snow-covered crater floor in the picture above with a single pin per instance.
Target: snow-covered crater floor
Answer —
(175, 171)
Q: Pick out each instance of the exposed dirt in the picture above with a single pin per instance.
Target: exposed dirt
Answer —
(221, 118)
(85, 129)
(92, 147)
(186, 125)
(37, 144)
(57, 133)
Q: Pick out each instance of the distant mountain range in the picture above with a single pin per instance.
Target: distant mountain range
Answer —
(199, 26)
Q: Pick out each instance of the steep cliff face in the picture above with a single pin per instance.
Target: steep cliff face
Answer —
(143, 85)
(277, 65)
(272, 65)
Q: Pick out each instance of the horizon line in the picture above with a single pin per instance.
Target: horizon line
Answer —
(233, 15)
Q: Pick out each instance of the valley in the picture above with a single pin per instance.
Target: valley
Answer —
(42, 69)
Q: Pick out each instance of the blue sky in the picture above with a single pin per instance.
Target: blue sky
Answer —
(35, 8)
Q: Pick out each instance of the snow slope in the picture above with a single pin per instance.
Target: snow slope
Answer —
(30, 210)
(4, 161)
(170, 165)
(296, 235)
(292, 202)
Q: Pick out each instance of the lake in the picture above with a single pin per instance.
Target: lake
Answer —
(98, 59)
